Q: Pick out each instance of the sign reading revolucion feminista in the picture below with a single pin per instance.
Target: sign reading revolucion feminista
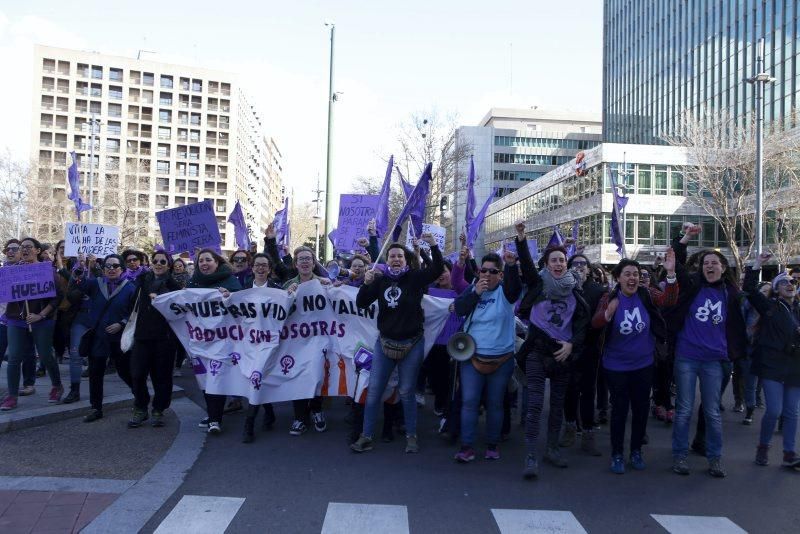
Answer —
(355, 212)
(187, 227)
(27, 281)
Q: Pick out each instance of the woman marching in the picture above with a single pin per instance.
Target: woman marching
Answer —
(213, 272)
(489, 307)
(634, 331)
(154, 343)
(559, 318)
(399, 293)
(777, 360)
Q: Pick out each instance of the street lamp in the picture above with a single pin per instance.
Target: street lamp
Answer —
(29, 223)
(328, 177)
(760, 80)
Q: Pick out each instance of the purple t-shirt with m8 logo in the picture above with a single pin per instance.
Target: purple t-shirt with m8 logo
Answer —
(703, 335)
(629, 344)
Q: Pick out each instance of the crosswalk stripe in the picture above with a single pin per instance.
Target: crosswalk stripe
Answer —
(346, 518)
(689, 524)
(536, 522)
(200, 515)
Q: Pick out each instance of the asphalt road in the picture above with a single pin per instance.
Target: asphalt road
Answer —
(288, 482)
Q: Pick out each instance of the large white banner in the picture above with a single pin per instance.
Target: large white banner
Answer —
(269, 346)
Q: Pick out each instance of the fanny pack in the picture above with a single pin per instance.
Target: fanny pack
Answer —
(397, 350)
(487, 366)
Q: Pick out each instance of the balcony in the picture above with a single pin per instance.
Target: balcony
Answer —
(164, 137)
(45, 124)
(48, 88)
(147, 117)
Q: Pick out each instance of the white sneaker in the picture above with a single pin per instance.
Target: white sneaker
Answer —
(319, 422)
(420, 399)
(214, 428)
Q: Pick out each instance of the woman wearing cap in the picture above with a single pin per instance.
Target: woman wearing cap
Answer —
(777, 359)
(634, 331)
(154, 344)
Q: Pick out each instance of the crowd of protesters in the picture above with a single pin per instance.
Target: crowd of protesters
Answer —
(633, 339)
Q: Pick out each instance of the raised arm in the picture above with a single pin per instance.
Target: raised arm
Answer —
(529, 273)
(512, 285)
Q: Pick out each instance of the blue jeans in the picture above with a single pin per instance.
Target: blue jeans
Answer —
(472, 386)
(3, 342)
(28, 361)
(76, 332)
(382, 367)
(751, 383)
(710, 374)
(21, 343)
(781, 400)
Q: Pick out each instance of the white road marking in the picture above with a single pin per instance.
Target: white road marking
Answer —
(345, 518)
(536, 522)
(200, 515)
(689, 524)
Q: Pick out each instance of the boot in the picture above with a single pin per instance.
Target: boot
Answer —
(531, 469)
(269, 417)
(74, 394)
(762, 455)
(588, 444)
(249, 435)
(553, 455)
(790, 459)
(568, 433)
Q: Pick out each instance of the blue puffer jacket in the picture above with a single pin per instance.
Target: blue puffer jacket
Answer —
(117, 312)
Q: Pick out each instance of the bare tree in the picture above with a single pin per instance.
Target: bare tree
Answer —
(720, 174)
(13, 179)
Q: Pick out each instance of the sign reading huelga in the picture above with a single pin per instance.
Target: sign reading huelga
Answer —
(27, 281)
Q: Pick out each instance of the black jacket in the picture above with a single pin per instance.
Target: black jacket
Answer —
(401, 317)
(777, 352)
(150, 324)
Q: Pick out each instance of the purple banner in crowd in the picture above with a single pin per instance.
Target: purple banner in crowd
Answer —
(190, 226)
(533, 248)
(355, 212)
(27, 281)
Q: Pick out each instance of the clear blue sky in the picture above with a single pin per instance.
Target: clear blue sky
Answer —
(392, 59)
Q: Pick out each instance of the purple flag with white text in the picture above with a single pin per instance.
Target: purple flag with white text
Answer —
(415, 205)
(236, 218)
(75, 187)
(475, 226)
(382, 216)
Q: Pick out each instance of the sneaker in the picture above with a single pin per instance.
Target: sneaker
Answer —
(762, 455)
(680, 466)
(411, 445)
(204, 422)
(158, 419)
(420, 398)
(637, 461)
(138, 418)
(553, 457)
(660, 413)
(27, 390)
(670, 417)
(715, 469)
(790, 459)
(465, 455)
(738, 407)
(93, 416)
(56, 392)
(177, 373)
(568, 434)
(748, 417)
(298, 428)
(73, 396)
(362, 444)
(531, 469)
(319, 422)
(9, 403)
(214, 428)
(492, 453)
(588, 444)
(618, 464)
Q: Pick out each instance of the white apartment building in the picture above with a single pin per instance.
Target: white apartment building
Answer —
(513, 147)
(168, 135)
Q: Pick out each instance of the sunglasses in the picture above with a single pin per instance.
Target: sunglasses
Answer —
(490, 271)
(579, 263)
(239, 259)
(12, 249)
(111, 266)
(160, 262)
(792, 282)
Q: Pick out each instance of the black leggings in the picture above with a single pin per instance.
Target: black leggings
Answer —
(581, 390)
(630, 391)
(153, 358)
(215, 405)
(536, 375)
(97, 371)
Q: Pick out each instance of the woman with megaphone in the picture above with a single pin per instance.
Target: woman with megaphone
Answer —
(489, 307)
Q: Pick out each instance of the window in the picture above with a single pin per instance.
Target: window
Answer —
(661, 231)
(115, 92)
(643, 230)
(166, 81)
(97, 90)
(162, 184)
(676, 183)
(94, 107)
(112, 145)
(163, 151)
(197, 86)
(162, 167)
(195, 136)
(164, 115)
(660, 180)
(148, 78)
(114, 128)
(165, 99)
(645, 180)
(184, 84)
(164, 133)
(162, 201)
(97, 72)
(115, 75)
(115, 110)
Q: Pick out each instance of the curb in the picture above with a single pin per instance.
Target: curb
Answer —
(57, 412)
(134, 508)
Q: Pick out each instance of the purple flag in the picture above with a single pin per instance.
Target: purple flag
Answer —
(556, 240)
(332, 236)
(75, 187)
(407, 187)
(475, 226)
(415, 205)
(236, 218)
(470, 213)
(573, 247)
(281, 224)
(620, 201)
(382, 216)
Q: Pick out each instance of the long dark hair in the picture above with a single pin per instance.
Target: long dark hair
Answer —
(728, 276)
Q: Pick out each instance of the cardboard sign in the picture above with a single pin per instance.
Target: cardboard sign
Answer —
(355, 212)
(27, 281)
(190, 226)
(99, 240)
(439, 233)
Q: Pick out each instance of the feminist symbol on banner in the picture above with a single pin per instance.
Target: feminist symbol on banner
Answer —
(255, 379)
(216, 367)
(287, 362)
(235, 357)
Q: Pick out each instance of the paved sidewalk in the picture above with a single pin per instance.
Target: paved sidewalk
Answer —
(33, 512)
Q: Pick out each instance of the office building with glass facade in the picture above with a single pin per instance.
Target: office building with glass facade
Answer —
(662, 58)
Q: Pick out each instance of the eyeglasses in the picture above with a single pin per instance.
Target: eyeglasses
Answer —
(12, 249)
(305, 259)
(132, 259)
(239, 259)
(160, 262)
(579, 263)
(490, 271)
(645, 275)
(26, 247)
(792, 282)
(112, 266)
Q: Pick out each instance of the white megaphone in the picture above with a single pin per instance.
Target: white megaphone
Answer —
(461, 346)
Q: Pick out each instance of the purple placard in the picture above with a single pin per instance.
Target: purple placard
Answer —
(355, 212)
(190, 226)
(27, 281)
(442, 293)
(533, 248)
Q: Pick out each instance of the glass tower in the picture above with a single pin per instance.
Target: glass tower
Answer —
(664, 57)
